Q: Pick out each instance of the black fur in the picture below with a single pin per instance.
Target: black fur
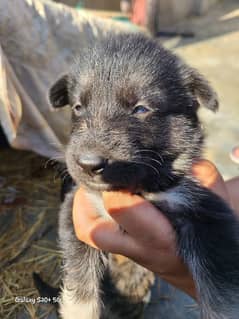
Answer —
(45, 290)
(149, 152)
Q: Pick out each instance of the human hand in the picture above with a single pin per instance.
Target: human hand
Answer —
(149, 238)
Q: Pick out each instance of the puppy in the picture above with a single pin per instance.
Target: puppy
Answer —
(135, 127)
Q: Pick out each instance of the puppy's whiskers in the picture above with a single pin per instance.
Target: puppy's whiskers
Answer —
(151, 151)
(53, 160)
(146, 164)
(147, 158)
(151, 159)
(65, 175)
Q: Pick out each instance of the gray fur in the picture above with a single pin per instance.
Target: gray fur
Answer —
(134, 105)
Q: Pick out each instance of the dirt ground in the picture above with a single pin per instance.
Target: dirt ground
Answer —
(29, 189)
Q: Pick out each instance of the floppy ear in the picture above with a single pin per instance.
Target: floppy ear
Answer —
(201, 88)
(58, 94)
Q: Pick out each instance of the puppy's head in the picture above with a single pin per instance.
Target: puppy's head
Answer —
(134, 115)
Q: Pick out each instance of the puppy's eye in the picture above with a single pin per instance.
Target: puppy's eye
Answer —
(140, 109)
(77, 108)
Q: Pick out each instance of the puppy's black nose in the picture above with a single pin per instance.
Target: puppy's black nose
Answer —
(92, 163)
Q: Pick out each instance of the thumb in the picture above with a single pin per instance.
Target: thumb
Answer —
(208, 175)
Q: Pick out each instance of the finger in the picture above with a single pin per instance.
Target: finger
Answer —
(139, 217)
(109, 238)
(96, 230)
(208, 175)
(85, 217)
(232, 188)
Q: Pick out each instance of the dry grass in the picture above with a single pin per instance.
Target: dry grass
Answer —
(29, 201)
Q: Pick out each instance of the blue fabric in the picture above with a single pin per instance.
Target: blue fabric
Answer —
(168, 302)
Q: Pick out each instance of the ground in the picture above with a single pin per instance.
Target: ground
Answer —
(29, 191)
(29, 200)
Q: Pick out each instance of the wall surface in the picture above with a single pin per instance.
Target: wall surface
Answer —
(71, 3)
(204, 5)
(171, 11)
(160, 13)
(102, 4)
(94, 4)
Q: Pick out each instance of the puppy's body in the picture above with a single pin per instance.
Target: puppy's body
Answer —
(135, 127)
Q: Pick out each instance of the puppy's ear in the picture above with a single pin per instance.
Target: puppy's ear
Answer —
(58, 94)
(201, 88)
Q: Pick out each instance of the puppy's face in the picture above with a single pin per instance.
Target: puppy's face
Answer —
(134, 121)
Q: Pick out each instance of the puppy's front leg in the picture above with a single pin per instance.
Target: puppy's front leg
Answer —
(83, 269)
(208, 242)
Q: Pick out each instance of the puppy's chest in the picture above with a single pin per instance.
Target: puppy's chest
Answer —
(173, 200)
(97, 201)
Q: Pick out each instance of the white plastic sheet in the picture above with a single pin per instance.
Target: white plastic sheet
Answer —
(38, 40)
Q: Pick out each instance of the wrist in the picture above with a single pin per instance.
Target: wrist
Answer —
(232, 187)
(184, 283)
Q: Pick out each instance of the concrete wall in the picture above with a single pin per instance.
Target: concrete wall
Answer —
(161, 13)
(171, 11)
(203, 5)
(112, 5)
(71, 3)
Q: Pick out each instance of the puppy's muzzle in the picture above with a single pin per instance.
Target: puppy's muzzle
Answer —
(92, 163)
